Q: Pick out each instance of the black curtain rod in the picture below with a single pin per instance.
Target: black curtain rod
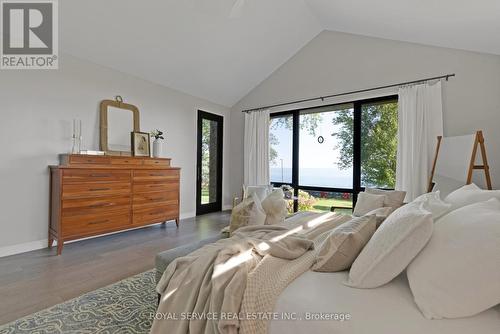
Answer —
(322, 98)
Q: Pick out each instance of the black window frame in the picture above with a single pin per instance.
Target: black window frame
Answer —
(356, 182)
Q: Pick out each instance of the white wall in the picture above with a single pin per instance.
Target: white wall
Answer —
(338, 62)
(37, 108)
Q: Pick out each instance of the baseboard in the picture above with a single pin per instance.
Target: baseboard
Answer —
(227, 207)
(40, 244)
(187, 215)
(23, 248)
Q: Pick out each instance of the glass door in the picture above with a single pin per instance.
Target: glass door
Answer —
(209, 169)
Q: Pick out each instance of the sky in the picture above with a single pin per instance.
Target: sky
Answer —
(318, 162)
(311, 153)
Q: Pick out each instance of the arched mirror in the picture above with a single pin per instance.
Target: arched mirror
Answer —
(117, 121)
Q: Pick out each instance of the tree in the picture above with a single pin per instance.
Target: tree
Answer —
(273, 154)
(209, 159)
(379, 124)
(307, 121)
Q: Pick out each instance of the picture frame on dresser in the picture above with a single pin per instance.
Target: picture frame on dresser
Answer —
(141, 144)
(96, 195)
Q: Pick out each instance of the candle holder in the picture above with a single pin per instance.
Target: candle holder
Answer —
(76, 138)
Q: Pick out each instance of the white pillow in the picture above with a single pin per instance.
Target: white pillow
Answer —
(343, 244)
(261, 191)
(366, 203)
(432, 202)
(393, 198)
(395, 243)
(248, 212)
(470, 194)
(458, 272)
(380, 214)
(276, 207)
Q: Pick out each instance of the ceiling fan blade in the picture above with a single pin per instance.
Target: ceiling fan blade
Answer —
(237, 9)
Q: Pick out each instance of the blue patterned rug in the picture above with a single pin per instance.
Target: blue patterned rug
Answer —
(123, 307)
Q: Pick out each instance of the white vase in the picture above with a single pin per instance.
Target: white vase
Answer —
(157, 148)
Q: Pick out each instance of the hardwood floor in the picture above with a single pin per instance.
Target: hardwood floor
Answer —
(36, 280)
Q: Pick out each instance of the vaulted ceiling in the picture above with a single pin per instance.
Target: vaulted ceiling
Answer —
(214, 50)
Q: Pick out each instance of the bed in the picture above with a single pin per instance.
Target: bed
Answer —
(286, 287)
(385, 310)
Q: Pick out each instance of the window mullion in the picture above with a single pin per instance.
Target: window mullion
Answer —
(295, 160)
(356, 173)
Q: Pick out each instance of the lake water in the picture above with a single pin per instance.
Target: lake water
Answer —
(320, 177)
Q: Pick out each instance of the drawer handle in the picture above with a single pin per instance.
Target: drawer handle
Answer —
(101, 205)
(100, 175)
(99, 189)
(155, 213)
(99, 222)
(157, 174)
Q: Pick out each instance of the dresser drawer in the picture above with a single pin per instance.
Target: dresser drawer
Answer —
(157, 162)
(126, 161)
(89, 190)
(156, 175)
(155, 199)
(155, 215)
(98, 205)
(89, 224)
(83, 175)
(148, 187)
(89, 159)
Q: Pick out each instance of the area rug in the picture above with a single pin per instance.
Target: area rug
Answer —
(123, 307)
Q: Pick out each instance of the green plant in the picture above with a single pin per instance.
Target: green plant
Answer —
(157, 134)
(306, 202)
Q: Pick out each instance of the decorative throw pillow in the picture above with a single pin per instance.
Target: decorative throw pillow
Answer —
(458, 272)
(432, 202)
(392, 247)
(275, 207)
(470, 194)
(366, 203)
(380, 214)
(261, 191)
(393, 198)
(248, 212)
(344, 243)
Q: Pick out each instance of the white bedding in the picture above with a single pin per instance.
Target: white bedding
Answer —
(384, 310)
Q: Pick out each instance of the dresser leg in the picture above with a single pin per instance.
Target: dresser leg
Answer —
(60, 244)
(177, 221)
(51, 241)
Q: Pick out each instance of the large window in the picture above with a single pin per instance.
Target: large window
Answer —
(329, 154)
(320, 147)
(379, 126)
(281, 149)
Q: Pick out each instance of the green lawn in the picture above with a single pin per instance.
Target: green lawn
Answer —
(204, 196)
(324, 204)
(321, 204)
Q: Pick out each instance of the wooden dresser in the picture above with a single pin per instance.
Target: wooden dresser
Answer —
(92, 195)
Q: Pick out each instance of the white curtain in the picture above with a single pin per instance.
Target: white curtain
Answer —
(256, 148)
(420, 121)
